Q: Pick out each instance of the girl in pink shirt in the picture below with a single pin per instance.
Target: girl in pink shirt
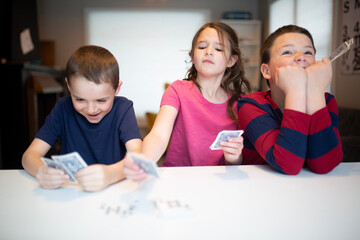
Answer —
(193, 111)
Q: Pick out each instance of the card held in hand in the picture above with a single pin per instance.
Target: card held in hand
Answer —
(148, 166)
(70, 163)
(224, 136)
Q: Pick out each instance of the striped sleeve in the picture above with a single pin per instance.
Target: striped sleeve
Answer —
(324, 144)
(281, 142)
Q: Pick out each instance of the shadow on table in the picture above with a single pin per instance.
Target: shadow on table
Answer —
(338, 171)
(68, 192)
(232, 173)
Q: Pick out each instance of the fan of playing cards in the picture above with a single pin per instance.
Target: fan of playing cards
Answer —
(69, 163)
(223, 136)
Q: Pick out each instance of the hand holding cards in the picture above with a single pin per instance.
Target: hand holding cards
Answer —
(224, 136)
(148, 166)
(69, 163)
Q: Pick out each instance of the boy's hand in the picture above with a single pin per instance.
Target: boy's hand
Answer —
(51, 178)
(94, 177)
(133, 171)
(232, 150)
(319, 76)
(291, 78)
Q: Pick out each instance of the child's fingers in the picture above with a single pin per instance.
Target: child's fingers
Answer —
(236, 142)
(51, 178)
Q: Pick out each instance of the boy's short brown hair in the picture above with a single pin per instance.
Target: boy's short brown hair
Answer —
(94, 63)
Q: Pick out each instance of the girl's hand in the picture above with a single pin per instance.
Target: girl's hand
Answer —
(51, 178)
(94, 177)
(232, 150)
(133, 171)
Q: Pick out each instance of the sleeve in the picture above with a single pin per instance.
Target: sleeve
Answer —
(170, 96)
(128, 128)
(282, 144)
(324, 143)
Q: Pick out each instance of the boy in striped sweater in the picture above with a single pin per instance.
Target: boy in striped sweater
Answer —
(295, 123)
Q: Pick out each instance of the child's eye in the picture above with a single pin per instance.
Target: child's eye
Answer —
(287, 52)
(309, 53)
(79, 99)
(101, 100)
(219, 49)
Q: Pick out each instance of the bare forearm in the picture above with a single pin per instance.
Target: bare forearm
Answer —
(116, 172)
(314, 102)
(153, 147)
(296, 101)
(31, 162)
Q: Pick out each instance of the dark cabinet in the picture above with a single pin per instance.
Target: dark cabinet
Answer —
(23, 108)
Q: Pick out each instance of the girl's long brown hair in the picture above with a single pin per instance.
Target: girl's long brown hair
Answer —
(234, 81)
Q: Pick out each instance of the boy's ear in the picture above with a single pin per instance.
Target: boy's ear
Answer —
(118, 88)
(233, 59)
(265, 70)
(67, 84)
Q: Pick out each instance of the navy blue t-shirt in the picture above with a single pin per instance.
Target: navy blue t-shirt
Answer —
(103, 142)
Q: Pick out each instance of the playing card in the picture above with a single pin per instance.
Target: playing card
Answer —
(173, 208)
(51, 163)
(148, 166)
(223, 136)
(73, 162)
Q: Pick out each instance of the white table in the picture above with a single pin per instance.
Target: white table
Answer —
(234, 202)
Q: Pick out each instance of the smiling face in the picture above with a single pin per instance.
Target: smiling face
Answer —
(211, 56)
(289, 49)
(91, 100)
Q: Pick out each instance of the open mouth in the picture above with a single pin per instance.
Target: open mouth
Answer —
(93, 116)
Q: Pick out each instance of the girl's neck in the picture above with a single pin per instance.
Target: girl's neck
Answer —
(211, 90)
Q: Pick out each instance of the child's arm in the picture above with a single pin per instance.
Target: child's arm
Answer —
(319, 77)
(47, 177)
(98, 176)
(282, 146)
(291, 79)
(324, 143)
(155, 142)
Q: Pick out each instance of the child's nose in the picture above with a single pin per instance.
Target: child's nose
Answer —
(209, 51)
(91, 108)
(299, 56)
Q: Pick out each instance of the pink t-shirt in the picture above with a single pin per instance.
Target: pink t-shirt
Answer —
(196, 126)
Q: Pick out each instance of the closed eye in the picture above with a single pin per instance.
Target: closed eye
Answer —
(287, 52)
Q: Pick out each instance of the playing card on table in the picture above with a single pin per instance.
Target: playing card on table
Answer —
(73, 162)
(173, 208)
(148, 166)
(224, 136)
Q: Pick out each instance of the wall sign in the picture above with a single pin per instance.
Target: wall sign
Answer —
(350, 61)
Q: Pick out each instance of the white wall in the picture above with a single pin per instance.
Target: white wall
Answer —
(63, 21)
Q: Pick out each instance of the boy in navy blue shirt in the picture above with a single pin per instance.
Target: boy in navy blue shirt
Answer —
(92, 121)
